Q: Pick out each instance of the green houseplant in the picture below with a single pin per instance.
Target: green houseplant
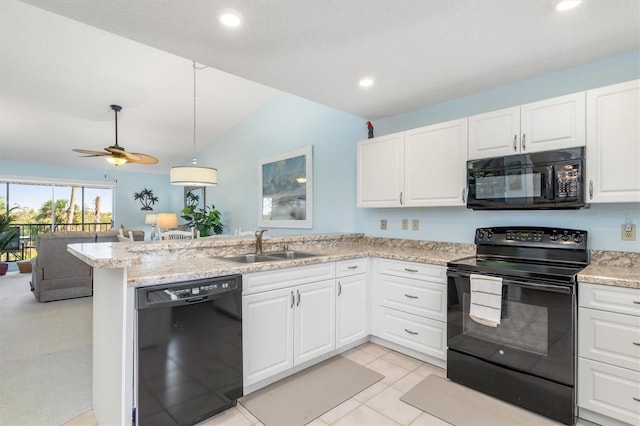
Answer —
(205, 219)
(6, 235)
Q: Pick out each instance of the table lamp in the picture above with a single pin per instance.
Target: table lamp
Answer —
(167, 221)
(151, 219)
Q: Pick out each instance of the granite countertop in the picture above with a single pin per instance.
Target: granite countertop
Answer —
(168, 262)
(161, 262)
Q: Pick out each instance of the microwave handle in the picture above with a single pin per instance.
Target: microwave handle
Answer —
(550, 183)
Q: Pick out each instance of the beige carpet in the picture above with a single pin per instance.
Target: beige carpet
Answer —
(297, 400)
(45, 356)
(461, 406)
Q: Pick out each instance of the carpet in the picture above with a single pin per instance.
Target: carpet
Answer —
(298, 399)
(461, 406)
(45, 356)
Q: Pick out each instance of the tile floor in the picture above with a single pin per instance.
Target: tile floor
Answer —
(378, 405)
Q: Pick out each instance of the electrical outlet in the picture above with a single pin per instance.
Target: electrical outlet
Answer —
(405, 224)
(629, 232)
(415, 224)
(383, 224)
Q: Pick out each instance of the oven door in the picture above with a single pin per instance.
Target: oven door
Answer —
(536, 331)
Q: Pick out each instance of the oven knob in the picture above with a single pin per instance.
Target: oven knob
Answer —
(578, 238)
(565, 237)
(553, 237)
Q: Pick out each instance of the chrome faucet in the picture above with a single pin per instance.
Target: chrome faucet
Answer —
(259, 233)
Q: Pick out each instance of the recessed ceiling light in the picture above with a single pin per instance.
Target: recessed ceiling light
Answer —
(230, 18)
(562, 5)
(366, 82)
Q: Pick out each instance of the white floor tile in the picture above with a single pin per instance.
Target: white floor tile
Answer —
(371, 391)
(402, 360)
(388, 403)
(340, 411)
(364, 415)
(391, 372)
(425, 419)
(406, 383)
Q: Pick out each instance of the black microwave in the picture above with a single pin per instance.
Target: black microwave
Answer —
(539, 180)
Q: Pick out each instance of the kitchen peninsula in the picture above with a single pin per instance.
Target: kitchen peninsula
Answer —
(120, 268)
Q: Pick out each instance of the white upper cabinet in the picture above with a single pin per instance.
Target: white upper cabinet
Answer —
(435, 164)
(613, 143)
(381, 171)
(546, 125)
(421, 167)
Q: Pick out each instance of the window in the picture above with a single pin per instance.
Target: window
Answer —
(47, 206)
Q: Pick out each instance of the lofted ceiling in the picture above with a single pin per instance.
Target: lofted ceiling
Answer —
(63, 63)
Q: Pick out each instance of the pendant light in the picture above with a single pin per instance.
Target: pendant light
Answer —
(193, 175)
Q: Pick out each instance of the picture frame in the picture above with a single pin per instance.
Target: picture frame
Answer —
(285, 183)
(200, 192)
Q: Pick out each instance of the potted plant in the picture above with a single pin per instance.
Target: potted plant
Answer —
(146, 198)
(6, 235)
(206, 219)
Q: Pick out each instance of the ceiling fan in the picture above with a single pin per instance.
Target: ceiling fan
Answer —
(115, 154)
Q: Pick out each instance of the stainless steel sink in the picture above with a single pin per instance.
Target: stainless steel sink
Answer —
(250, 258)
(268, 257)
(291, 254)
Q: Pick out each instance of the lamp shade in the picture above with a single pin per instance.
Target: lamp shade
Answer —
(167, 220)
(193, 176)
(151, 219)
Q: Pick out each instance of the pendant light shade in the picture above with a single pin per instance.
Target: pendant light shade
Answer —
(193, 175)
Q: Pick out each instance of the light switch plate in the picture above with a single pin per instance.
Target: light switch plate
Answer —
(415, 224)
(383, 224)
(405, 224)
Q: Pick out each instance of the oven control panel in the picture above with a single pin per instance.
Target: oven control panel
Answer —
(532, 236)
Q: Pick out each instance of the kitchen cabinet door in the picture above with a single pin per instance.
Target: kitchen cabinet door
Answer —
(613, 143)
(554, 123)
(545, 125)
(435, 165)
(494, 134)
(351, 309)
(267, 328)
(381, 171)
(314, 326)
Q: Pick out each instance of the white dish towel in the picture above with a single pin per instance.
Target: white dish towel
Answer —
(486, 299)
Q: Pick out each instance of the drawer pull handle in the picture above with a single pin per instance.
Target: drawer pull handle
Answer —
(293, 299)
(339, 288)
(636, 302)
(410, 270)
(353, 267)
(636, 343)
(410, 296)
(635, 399)
(298, 291)
(410, 332)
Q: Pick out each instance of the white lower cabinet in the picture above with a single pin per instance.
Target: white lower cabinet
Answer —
(609, 354)
(352, 302)
(410, 305)
(287, 326)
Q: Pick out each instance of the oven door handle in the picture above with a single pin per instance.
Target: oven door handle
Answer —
(534, 286)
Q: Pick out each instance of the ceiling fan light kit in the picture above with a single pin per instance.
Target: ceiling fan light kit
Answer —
(193, 175)
(115, 154)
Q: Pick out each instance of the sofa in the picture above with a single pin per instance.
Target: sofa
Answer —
(56, 273)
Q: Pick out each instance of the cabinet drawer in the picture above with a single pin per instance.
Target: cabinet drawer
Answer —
(416, 297)
(419, 271)
(345, 268)
(609, 298)
(609, 337)
(414, 332)
(608, 390)
(282, 278)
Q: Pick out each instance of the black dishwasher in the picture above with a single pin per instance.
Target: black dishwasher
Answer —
(189, 350)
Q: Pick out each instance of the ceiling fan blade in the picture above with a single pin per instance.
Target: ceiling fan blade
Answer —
(119, 152)
(144, 159)
(90, 152)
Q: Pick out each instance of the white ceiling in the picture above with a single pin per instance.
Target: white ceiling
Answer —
(58, 76)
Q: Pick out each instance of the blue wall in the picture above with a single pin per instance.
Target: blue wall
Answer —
(290, 122)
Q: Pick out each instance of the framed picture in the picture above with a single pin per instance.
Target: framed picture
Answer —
(286, 190)
(195, 195)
